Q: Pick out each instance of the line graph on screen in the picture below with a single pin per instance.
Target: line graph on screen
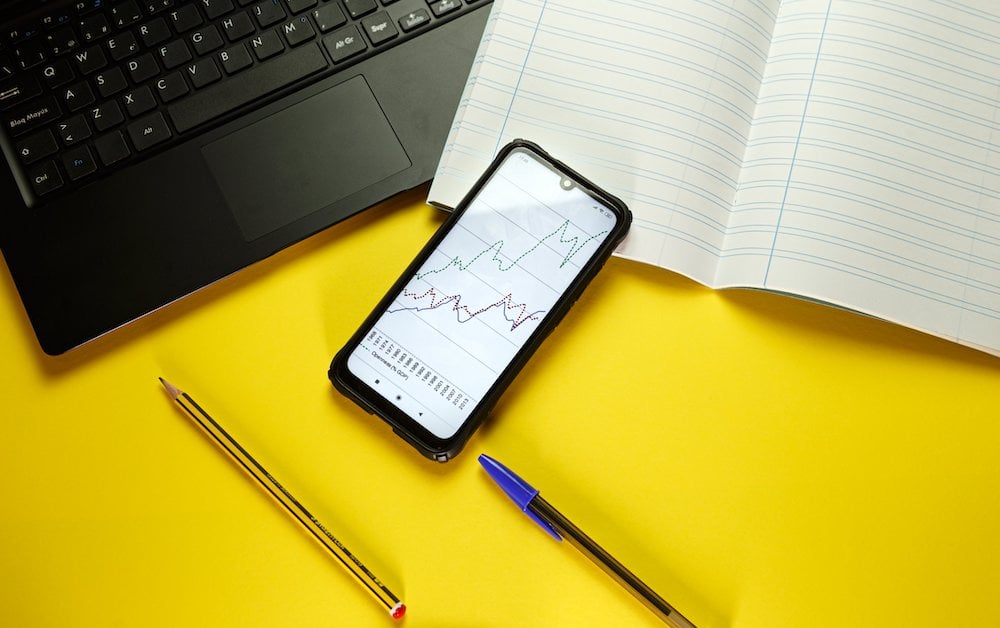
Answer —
(483, 293)
(505, 282)
(503, 263)
(514, 313)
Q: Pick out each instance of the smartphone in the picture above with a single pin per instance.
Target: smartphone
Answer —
(435, 355)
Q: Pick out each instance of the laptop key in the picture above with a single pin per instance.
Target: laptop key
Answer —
(345, 43)
(111, 148)
(237, 26)
(203, 73)
(83, 7)
(31, 115)
(414, 19)
(122, 46)
(357, 8)
(110, 82)
(379, 28)
(90, 59)
(62, 40)
(174, 53)
(6, 67)
(148, 131)
(138, 101)
(57, 17)
(235, 59)
(154, 32)
(298, 6)
(445, 6)
(243, 88)
(143, 68)
(157, 6)
(206, 40)
(58, 73)
(329, 17)
(94, 27)
(73, 130)
(45, 178)
(171, 87)
(106, 115)
(268, 12)
(19, 90)
(31, 53)
(298, 31)
(125, 13)
(185, 18)
(78, 162)
(265, 45)
(77, 95)
(37, 146)
(216, 8)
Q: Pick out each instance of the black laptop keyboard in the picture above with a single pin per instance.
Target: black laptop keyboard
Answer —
(89, 86)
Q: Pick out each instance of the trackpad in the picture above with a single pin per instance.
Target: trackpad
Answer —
(305, 157)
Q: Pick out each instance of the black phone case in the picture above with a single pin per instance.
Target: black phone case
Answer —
(426, 443)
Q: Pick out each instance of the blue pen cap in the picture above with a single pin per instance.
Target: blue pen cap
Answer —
(517, 489)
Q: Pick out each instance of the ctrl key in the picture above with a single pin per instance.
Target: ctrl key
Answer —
(45, 178)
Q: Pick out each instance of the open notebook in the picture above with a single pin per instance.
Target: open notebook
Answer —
(844, 151)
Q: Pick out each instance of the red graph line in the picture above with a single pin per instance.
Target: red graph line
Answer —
(515, 313)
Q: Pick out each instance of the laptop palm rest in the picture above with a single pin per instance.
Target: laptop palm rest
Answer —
(278, 170)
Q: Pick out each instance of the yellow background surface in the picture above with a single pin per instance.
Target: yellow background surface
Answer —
(758, 460)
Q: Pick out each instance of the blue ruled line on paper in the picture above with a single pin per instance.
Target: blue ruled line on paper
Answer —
(517, 85)
(795, 151)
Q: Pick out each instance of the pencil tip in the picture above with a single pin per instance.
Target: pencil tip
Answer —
(172, 390)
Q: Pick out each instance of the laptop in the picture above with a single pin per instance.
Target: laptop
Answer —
(152, 147)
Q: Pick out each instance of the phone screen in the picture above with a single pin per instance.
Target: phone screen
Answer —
(459, 321)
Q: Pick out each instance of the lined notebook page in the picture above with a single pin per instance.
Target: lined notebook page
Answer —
(651, 100)
(876, 153)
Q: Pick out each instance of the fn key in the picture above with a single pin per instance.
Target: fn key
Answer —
(149, 131)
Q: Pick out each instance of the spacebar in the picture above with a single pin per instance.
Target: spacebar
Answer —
(242, 88)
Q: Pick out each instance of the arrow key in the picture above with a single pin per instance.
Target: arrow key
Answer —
(34, 147)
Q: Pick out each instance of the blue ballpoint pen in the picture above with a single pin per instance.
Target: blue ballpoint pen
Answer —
(528, 500)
